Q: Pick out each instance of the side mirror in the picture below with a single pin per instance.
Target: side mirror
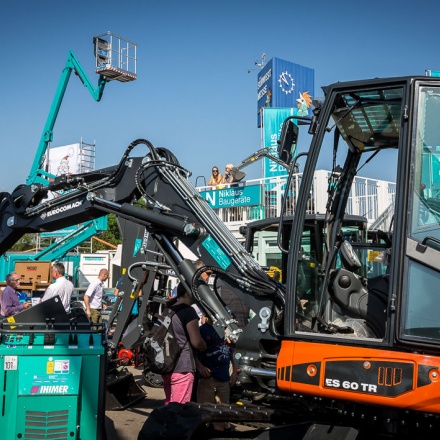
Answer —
(287, 142)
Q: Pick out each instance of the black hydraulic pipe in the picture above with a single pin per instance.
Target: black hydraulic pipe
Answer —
(206, 295)
(260, 372)
(149, 216)
(171, 249)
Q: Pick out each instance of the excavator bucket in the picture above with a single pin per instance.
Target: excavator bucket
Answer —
(237, 174)
(122, 390)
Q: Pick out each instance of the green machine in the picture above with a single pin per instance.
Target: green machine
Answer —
(115, 60)
(52, 373)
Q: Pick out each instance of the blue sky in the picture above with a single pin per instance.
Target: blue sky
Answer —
(193, 94)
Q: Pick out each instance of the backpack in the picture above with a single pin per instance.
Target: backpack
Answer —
(161, 350)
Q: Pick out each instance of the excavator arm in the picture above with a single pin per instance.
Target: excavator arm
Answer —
(153, 191)
(260, 154)
(287, 145)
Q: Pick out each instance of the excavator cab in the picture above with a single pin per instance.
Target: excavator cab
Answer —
(361, 125)
(376, 301)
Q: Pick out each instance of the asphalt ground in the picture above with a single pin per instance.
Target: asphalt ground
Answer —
(126, 424)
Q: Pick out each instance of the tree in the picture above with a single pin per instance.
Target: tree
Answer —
(111, 235)
(26, 243)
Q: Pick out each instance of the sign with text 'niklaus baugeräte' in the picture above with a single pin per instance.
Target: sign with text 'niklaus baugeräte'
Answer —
(231, 197)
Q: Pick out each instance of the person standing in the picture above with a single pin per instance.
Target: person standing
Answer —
(178, 385)
(228, 177)
(216, 367)
(61, 287)
(217, 370)
(216, 177)
(9, 298)
(93, 297)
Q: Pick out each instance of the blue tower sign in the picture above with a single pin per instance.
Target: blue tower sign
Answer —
(283, 84)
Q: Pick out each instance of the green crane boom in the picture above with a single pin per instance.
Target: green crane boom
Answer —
(37, 173)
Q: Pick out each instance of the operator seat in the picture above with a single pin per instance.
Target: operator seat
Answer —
(356, 300)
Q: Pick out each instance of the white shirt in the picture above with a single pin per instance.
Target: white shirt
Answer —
(95, 291)
(61, 287)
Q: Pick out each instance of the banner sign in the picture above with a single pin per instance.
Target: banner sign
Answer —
(282, 83)
(231, 197)
(64, 160)
(273, 121)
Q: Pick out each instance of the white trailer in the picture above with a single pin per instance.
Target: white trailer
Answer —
(89, 267)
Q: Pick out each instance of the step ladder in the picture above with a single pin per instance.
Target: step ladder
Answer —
(87, 157)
